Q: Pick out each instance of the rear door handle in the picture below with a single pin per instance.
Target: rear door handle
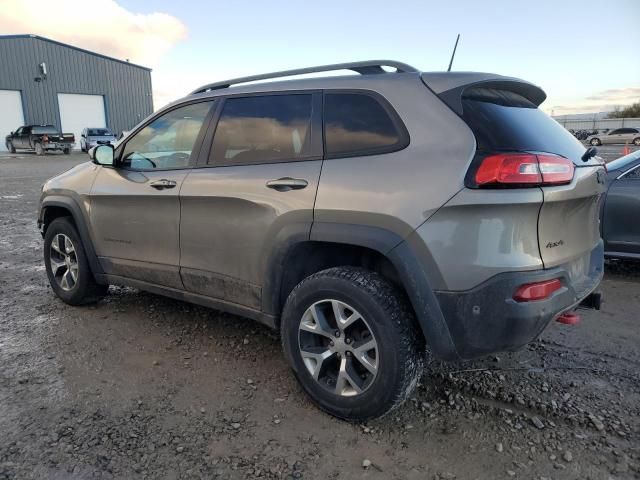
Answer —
(162, 184)
(287, 183)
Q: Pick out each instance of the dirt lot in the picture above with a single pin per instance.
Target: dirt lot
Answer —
(139, 386)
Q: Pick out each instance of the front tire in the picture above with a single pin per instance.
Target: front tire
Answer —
(352, 342)
(595, 142)
(10, 147)
(39, 149)
(67, 266)
(636, 141)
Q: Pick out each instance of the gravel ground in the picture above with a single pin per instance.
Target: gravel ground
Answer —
(140, 386)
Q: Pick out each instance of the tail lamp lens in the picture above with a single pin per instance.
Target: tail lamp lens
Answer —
(536, 291)
(524, 169)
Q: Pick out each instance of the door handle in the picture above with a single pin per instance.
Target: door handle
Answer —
(287, 183)
(162, 184)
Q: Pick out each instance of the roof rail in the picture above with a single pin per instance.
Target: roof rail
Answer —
(367, 67)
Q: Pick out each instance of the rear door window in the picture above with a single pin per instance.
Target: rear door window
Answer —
(360, 124)
(264, 129)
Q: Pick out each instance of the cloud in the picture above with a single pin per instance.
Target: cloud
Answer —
(603, 101)
(111, 29)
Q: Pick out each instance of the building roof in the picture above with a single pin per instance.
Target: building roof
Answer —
(3, 37)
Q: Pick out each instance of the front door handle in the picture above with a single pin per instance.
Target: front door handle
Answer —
(287, 183)
(162, 184)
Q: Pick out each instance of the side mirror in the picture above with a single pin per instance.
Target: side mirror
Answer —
(102, 155)
(82, 135)
(12, 133)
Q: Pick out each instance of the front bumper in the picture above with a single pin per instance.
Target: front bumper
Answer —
(486, 319)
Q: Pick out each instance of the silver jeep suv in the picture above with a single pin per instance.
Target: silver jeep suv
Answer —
(370, 218)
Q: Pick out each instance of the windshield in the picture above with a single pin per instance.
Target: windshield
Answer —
(622, 162)
(44, 129)
(100, 132)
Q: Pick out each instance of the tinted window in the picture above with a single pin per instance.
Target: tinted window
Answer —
(633, 174)
(507, 121)
(98, 132)
(357, 124)
(166, 142)
(45, 129)
(263, 129)
(615, 132)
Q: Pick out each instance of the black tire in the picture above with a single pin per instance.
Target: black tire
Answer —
(66, 151)
(39, 149)
(85, 290)
(10, 147)
(400, 344)
(595, 142)
(636, 141)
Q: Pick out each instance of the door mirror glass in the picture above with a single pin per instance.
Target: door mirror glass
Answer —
(102, 155)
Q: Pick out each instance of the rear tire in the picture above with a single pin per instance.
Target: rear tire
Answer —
(66, 151)
(636, 141)
(335, 362)
(39, 149)
(595, 142)
(10, 147)
(67, 266)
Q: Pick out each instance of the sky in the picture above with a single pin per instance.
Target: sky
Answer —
(583, 53)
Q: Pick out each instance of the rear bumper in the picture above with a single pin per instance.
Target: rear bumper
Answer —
(57, 145)
(486, 319)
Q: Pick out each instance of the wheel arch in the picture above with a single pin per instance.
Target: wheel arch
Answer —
(58, 206)
(332, 244)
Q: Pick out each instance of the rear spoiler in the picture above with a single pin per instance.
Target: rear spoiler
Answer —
(449, 86)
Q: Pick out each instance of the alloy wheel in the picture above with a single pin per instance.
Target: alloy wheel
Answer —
(338, 347)
(63, 261)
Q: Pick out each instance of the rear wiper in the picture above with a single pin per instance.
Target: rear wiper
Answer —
(589, 154)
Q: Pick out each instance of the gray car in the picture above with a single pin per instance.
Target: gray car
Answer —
(92, 137)
(620, 225)
(368, 218)
(619, 135)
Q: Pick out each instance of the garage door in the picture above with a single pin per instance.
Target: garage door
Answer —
(78, 112)
(11, 116)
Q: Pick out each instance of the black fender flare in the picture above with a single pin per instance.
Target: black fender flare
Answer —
(73, 208)
(410, 270)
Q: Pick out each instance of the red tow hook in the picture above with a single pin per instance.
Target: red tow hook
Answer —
(569, 318)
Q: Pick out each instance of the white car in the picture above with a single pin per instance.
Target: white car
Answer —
(619, 135)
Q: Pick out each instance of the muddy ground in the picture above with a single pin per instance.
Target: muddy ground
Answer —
(140, 386)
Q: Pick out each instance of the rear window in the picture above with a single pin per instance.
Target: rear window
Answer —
(506, 121)
(99, 132)
(44, 129)
(264, 129)
(358, 124)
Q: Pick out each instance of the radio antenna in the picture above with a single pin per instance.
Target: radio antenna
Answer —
(454, 53)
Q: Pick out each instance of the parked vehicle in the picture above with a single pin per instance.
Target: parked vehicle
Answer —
(619, 215)
(619, 135)
(331, 209)
(40, 138)
(91, 137)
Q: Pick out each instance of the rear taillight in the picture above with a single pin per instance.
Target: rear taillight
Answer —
(45, 138)
(536, 291)
(523, 169)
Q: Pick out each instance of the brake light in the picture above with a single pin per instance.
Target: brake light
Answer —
(523, 169)
(536, 291)
(45, 138)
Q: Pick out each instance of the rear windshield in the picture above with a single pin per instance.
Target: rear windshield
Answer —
(44, 129)
(99, 132)
(506, 121)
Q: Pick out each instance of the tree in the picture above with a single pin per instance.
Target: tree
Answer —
(631, 111)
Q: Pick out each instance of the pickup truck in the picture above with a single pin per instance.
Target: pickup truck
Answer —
(41, 138)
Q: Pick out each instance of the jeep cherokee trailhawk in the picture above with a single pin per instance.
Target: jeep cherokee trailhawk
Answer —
(371, 218)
